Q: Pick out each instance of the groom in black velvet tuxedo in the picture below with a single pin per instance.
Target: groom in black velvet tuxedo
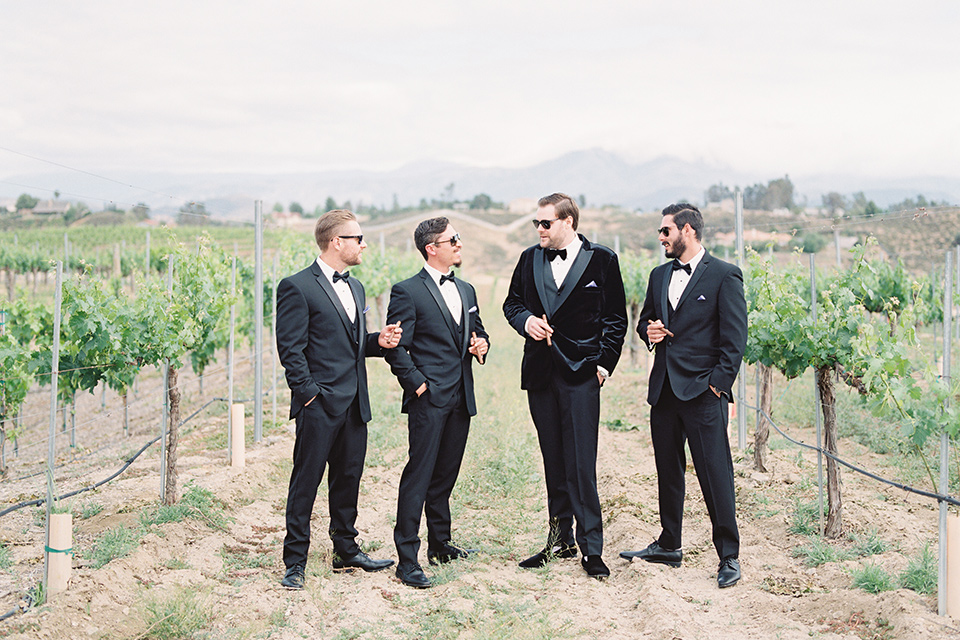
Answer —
(566, 299)
(695, 316)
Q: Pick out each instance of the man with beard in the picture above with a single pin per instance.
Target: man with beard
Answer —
(322, 341)
(695, 316)
(566, 299)
(442, 335)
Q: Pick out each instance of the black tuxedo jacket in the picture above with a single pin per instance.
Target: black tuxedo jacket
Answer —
(588, 315)
(433, 348)
(709, 329)
(321, 351)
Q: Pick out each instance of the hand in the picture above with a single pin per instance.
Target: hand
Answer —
(714, 389)
(601, 378)
(656, 332)
(539, 328)
(390, 336)
(421, 389)
(478, 346)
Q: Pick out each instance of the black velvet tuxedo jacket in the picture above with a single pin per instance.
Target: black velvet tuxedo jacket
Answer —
(433, 348)
(321, 350)
(709, 329)
(588, 315)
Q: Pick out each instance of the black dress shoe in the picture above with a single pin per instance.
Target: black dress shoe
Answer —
(655, 553)
(728, 573)
(549, 553)
(594, 567)
(359, 561)
(294, 578)
(447, 553)
(410, 574)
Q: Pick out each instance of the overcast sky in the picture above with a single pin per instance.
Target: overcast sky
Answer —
(859, 87)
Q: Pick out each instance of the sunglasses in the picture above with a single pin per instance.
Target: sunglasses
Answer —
(453, 240)
(358, 237)
(544, 223)
(665, 231)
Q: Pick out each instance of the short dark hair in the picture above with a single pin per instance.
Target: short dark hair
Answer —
(329, 224)
(684, 214)
(427, 232)
(565, 206)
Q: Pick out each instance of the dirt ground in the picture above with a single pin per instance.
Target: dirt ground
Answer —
(486, 596)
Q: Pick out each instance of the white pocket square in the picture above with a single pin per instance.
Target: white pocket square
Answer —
(701, 297)
(365, 309)
(472, 310)
(590, 284)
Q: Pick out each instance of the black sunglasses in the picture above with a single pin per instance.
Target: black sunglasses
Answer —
(453, 240)
(665, 230)
(359, 238)
(544, 223)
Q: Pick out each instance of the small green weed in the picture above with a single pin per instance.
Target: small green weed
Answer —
(873, 578)
(921, 572)
(867, 545)
(197, 503)
(805, 521)
(6, 561)
(89, 509)
(181, 614)
(818, 551)
(176, 564)
(621, 425)
(112, 544)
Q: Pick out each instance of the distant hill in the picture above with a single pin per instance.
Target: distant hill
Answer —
(603, 177)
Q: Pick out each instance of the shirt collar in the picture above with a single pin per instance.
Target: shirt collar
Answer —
(573, 247)
(434, 273)
(695, 260)
(327, 269)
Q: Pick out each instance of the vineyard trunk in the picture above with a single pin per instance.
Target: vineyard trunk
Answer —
(173, 435)
(834, 525)
(761, 449)
(634, 336)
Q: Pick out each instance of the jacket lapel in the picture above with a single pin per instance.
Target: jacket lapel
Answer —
(539, 259)
(665, 294)
(697, 274)
(327, 287)
(441, 303)
(465, 320)
(576, 270)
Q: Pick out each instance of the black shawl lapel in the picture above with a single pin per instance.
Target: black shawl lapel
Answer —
(576, 270)
(327, 287)
(444, 310)
(697, 274)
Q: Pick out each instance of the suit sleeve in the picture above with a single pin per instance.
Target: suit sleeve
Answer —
(614, 320)
(648, 312)
(293, 326)
(403, 309)
(371, 349)
(477, 324)
(733, 331)
(514, 308)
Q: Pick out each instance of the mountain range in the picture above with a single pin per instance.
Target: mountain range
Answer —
(601, 176)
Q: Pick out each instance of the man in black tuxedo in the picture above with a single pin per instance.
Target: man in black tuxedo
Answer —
(322, 341)
(695, 316)
(566, 299)
(442, 335)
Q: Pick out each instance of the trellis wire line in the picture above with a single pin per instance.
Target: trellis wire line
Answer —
(70, 494)
(892, 483)
(849, 221)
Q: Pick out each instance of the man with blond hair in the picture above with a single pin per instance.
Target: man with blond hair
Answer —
(322, 341)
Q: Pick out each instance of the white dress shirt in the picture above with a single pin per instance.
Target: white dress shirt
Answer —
(680, 279)
(561, 266)
(450, 293)
(342, 289)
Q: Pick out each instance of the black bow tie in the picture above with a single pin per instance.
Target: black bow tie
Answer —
(340, 276)
(686, 267)
(553, 253)
(446, 277)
